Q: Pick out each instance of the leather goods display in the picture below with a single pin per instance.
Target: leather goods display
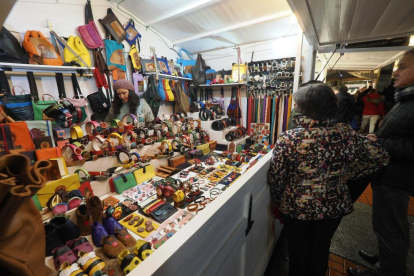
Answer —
(199, 71)
(124, 182)
(44, 127)
(10, 49)
(48, 153)
(99, 103)
(76, 44)
(38, 106)
(18, 107)
(151, 96)
(163, 212)
(113, 26)
(176, 161)
(36, 44)
(21, 248)
(187, 64)
(79, 111)
(89, 32)
(135, 222)
(68, 183)
(21, 136)
(161, 90)
(115, 57)
(144, 173)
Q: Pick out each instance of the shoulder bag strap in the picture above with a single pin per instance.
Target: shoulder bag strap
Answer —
(60, 85)
(76, 87)
(88, 12)
(33, 86)
(4, 84)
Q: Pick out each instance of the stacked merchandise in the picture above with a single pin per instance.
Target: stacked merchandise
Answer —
(270, 88)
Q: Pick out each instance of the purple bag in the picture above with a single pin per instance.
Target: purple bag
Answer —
(138, 83)
(89, 32)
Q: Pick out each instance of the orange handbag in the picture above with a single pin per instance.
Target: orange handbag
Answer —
(21, 136)
(36, 44)
(49, 153)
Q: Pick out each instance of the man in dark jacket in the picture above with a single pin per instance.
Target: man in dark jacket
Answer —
(394, 185)
(346, 104)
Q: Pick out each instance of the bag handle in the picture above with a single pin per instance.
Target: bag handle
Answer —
(43, 97)
(60, 85)
(33, 86)
(88, 12)
(182, 50)
(76, 87)
(21, 91)
(4, 84)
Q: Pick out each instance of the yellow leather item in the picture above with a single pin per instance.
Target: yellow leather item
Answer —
(76, 133)
(116, 136)
(143, 174)
(178, 196)
(205, 148)
(68, 183)
(168, 90)
(79, 48)
(136, 60)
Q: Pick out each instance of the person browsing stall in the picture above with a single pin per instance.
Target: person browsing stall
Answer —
(307, 172)
(127, 102)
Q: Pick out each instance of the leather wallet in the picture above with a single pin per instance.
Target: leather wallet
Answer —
(176, 161)
(43, 142)
(163, 212)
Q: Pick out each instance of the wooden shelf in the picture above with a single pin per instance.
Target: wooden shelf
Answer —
(33, 67)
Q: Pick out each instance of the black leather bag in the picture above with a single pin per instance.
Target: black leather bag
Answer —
(163, 212)
(199, 71)
(10, 49)
(99, 103)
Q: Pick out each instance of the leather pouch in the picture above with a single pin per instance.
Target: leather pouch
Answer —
(21, 134)
(46, 154)
(163, 212)
(113, 26)
(144, 173)
(124, 182)
(204, 148)
(43, 142)
(176, 161)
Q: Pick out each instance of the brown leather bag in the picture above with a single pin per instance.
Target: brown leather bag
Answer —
(22, 234)
(182, 105)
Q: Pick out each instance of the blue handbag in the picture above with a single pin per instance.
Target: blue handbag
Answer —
(187, 64)
(160, 90)
(115, 56)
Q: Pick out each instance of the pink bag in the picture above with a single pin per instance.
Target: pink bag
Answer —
(90, 35)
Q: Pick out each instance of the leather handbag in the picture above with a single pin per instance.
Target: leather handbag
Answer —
(144, 173)
(22, 234)
(169, 96)
(135, 59)
(204, 148)
(187, 64)
(44, 126)
(132, 34)
(76, 44)
(113, 26)
(115, 57)
(80, 104)
(183, 104)
(163, 212)
(38, 46)
(161, 90)
(151, 96)
(89, 32)
(10, 49)
(124, 182)
(199, 71)
(68, 183)
(49, 153)
(21, 135)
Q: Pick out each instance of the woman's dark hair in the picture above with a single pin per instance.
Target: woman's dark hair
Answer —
(317, 101)
(341, 88)
(133, 101)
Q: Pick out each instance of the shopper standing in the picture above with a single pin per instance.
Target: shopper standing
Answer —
(373, 110)
(346, 105)
(394, 185)
(307, 172)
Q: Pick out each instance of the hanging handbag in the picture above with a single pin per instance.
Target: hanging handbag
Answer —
(18, 107)
(138, 80)
(160, 90)
(163, 65)
(169, 96)
(81, 114)
(187, 64)
(199, 71)
(135, 59)
(239, 70)
(182, 105)
(38, 46)
(131, 33)
(10, 49)
(76, 44)
(152, 97)
(38, 106)
(115, 57)
(113, 26)
(89, 32)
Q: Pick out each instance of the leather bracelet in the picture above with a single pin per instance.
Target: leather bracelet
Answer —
(192, 207)
(129, 125)
(76, 133)
(168, 191)
(143, 132)
(217, 125)
(200, 199)
(123, 153)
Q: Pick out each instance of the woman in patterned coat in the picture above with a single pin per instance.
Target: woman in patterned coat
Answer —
(308, 173)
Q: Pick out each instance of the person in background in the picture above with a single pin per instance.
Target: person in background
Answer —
(346, 105)
(388, 94)
(306, 176)
(359, 104)
(393, 185)
(373, 110)
(127, 102)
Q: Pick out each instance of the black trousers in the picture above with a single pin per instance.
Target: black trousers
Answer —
(308, 244)
(392, 228)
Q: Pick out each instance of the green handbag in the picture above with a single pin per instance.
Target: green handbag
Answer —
(124, 182)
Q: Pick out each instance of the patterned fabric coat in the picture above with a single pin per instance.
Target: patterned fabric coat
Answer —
(310, 164)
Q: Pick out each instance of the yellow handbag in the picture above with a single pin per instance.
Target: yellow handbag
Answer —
(168, 91)
(205, 148)
(68, 183)
(136, 60)
(144, 173)
(235, 72)
(79, 48)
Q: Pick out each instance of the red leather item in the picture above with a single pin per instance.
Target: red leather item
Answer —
(155, 206)
(168, 191)
(100, 79)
